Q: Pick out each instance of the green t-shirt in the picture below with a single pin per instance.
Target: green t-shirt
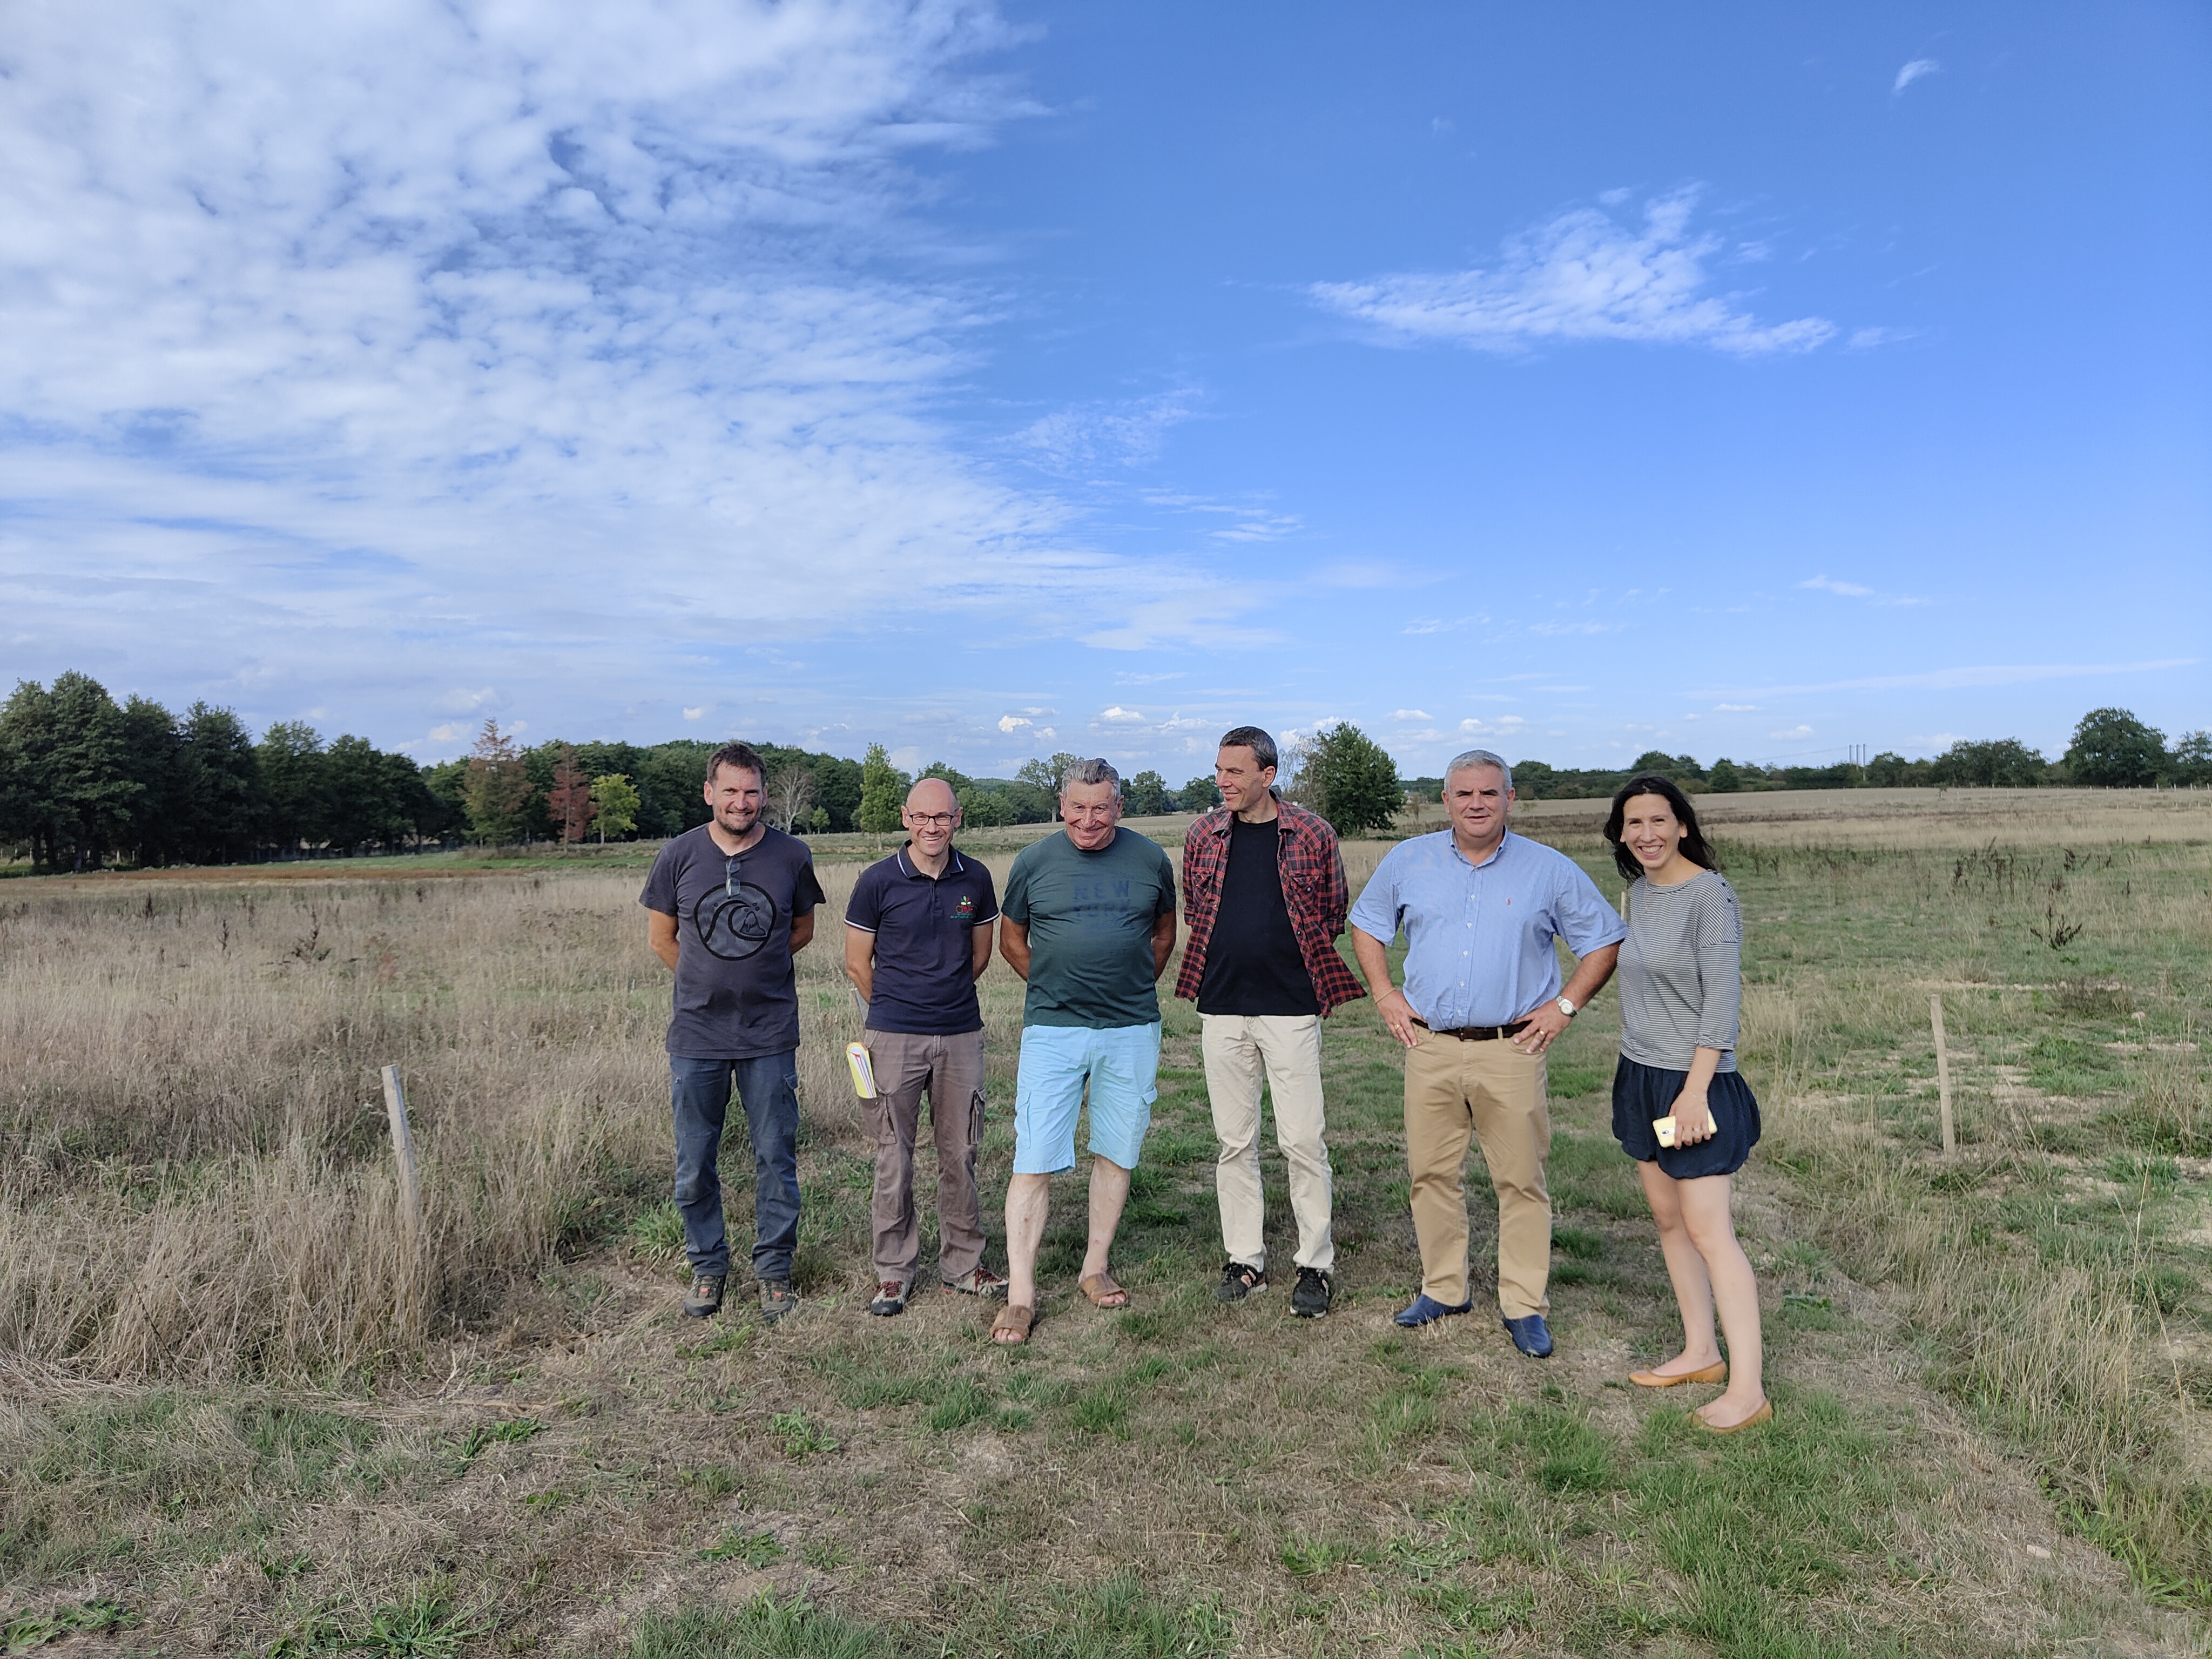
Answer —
(1090, 917)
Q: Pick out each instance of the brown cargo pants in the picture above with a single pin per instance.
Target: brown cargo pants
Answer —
(949, 1071)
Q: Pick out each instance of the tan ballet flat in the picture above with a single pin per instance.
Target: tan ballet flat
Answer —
(1763, 1415)
(1716, 1372)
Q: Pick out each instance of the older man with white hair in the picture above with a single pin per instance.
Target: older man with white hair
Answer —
(1090, 922)
(1482, 1002)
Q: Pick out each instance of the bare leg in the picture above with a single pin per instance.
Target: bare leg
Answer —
(1110, 1191)
(1029, 1201)
(1693, 1290)
(1704, 1208)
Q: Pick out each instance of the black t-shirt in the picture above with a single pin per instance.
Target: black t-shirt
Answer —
(1253, 963)
(736, 997)
(924, 927)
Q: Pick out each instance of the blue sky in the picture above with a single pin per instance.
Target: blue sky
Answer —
(1756, 381)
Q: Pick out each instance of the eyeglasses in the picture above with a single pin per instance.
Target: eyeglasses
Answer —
(930, 820)
(731, 872)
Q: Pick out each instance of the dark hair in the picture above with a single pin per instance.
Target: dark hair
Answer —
(742, 755)
(1252, 738)
(1693, 839)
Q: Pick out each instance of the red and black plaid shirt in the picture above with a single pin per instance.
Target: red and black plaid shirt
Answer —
(1315, 892)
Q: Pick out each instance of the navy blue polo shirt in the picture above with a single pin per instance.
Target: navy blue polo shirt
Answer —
(924, 985)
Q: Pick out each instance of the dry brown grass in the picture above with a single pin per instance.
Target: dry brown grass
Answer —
(197, 1238)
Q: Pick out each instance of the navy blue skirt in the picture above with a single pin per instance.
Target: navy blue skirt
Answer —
(1642, 1094)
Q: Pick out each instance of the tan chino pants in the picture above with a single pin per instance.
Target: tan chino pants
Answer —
(1285, 1050)
(950, 1069)
(1495, 1091)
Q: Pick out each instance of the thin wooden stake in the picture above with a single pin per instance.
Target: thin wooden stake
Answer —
(402, 1148)
(1942, 1074)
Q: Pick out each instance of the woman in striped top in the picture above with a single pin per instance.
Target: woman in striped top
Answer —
(1680, 985)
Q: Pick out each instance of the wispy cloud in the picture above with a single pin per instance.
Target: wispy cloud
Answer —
(1584, 275)
(1911, 72)
(1119, 435)
(1953, 679)
(1412, 714)
(1857, 591)
(344, 345)
(1793, 731)
(1735, 708)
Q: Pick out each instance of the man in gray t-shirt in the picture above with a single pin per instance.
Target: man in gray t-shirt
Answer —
(730, 901)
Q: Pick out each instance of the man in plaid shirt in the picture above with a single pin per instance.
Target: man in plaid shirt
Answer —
(1265, 898)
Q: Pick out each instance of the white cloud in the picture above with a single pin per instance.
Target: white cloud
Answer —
(1556, 627)
(1952, 679)
(1865, 339)
(1582, 276)
(449, 732)
(1794, 732)
(1913, 71)
(1854, 591)
(696, 713)
(1735, 708)
(1411, 714)
(1127, 434)
(342, 343)
(1010, 724)
(1118, 715)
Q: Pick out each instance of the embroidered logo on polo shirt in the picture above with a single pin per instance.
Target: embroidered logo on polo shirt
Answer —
(965, 910)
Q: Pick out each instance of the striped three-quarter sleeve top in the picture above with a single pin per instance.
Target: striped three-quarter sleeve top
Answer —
(1681, 974)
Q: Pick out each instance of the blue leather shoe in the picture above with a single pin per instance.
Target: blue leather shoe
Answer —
(1531, 1335)
(1426, 1311)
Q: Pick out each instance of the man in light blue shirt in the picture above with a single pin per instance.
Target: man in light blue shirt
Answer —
(1483, 1001)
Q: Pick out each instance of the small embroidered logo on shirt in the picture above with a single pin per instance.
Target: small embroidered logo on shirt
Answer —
(965, 910)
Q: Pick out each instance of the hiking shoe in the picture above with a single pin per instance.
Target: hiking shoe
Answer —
(704, 1298)
(890, 1299)
(1238, 1280)
(977, 1281)
(777, 1298)
(1309, 1297)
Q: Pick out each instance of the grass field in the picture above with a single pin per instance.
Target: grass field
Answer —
(240, 1417)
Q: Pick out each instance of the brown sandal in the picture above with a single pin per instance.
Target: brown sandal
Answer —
(1104, 1291)
(1012, 1328)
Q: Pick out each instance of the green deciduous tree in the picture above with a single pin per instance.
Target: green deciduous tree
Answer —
(613, 805)
(1724, 779)
(1345, 775)
(2113, 749)
(1995, 763)
(1200, 794)
(2190, 762)
(882, 791)
(1145, 795)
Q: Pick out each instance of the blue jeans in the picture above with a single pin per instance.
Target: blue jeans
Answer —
(700, 1093)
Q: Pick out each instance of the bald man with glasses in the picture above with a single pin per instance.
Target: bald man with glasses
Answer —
(918, 935)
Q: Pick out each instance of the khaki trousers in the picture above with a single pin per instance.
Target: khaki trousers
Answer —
(1496, 1092)
(950, 1069)
(1239, 1050)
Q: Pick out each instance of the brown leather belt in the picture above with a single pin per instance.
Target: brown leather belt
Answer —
(1477, 1033)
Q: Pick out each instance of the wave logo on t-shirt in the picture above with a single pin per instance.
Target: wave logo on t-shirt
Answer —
(734, 927)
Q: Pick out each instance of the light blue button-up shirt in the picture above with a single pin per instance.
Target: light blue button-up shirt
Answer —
(1479, 936)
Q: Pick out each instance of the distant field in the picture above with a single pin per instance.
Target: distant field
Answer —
(239, 1418)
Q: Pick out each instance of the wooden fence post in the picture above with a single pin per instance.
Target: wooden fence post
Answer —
(1942, 1072)
(402, 1148)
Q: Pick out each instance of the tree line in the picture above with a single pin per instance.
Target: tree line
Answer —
(86, 780)
(2111, 749)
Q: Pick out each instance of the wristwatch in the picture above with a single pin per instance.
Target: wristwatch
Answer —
(1566, 1007)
